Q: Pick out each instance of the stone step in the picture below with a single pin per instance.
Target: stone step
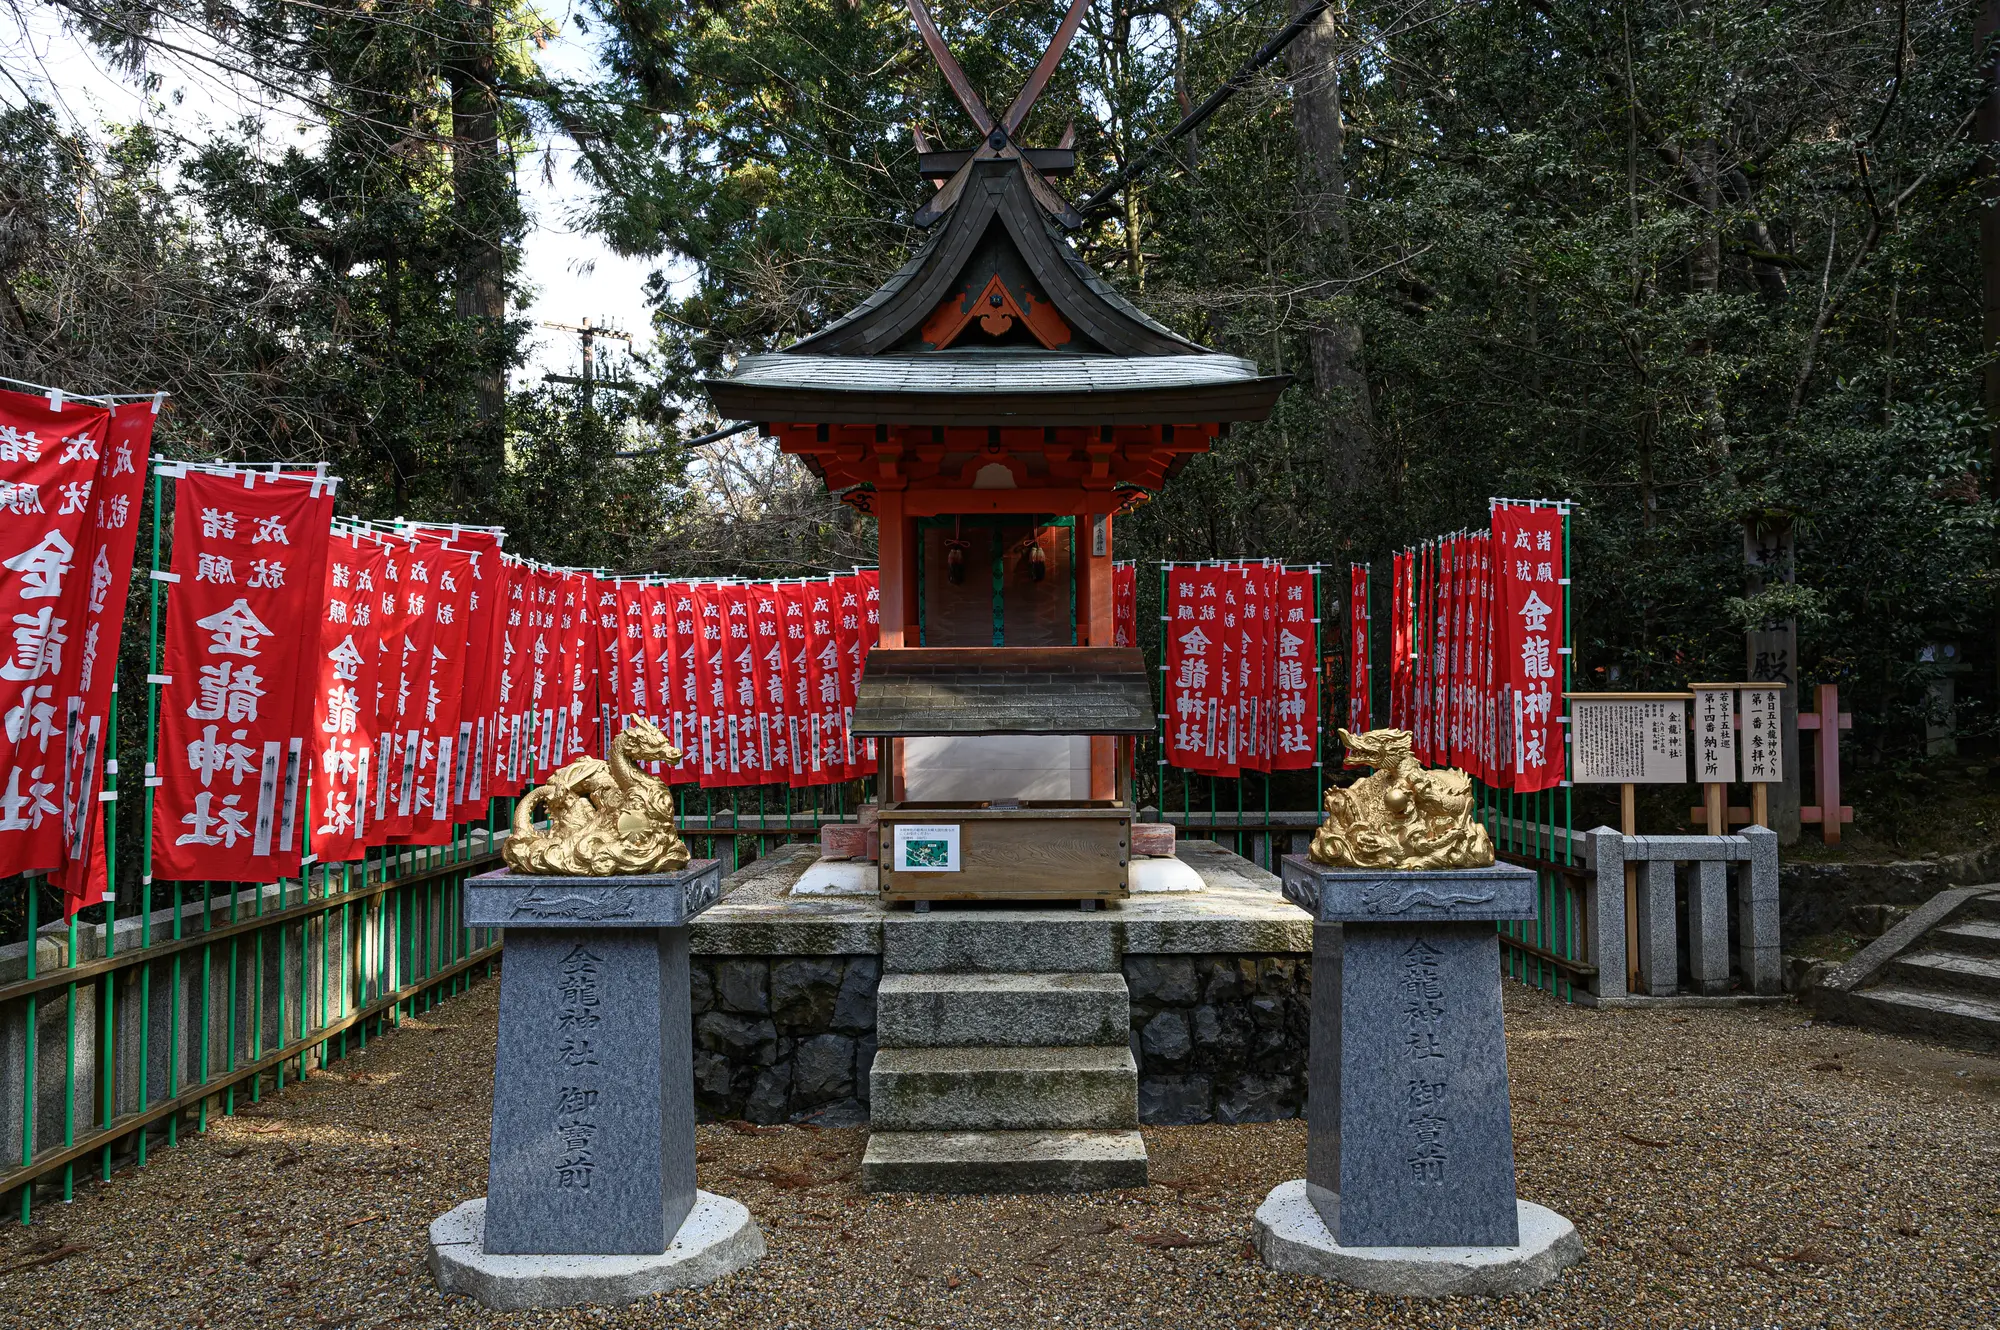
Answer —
(1960, 1017)
(1986, 907)
(1003, 1161)
(1013, 1010)
(1977, 937)
(1947, 971)
(1003, 1089)
(972, 941)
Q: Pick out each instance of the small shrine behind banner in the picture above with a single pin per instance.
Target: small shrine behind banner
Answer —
(996, 406)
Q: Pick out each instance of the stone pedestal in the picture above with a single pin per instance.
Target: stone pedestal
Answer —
(593, 1086)
(1410, 1143)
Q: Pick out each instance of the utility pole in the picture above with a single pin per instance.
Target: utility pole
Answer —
(588, 333)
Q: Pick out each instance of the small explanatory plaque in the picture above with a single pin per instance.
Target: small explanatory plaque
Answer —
(927, 849)
(1629, 738)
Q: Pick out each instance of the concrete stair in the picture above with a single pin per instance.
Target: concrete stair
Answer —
(1004, 1060)
(1001, 1010)
(1003, 1089)
(1936, 973)
(1011, 1161)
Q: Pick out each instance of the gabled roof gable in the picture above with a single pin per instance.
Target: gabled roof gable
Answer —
(996, 228)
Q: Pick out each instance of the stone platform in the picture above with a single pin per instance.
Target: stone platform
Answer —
(1291, 1237)
(1002, 1047)
(717, 1238)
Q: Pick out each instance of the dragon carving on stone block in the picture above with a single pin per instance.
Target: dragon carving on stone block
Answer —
(1400, 816)
(606, 818)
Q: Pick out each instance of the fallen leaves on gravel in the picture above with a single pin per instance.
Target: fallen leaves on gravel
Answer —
(42, 1253)
(1809, 1256)
(742, 1128)
(1169, 1239)
(781, 1177)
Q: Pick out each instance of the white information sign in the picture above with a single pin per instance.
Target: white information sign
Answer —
(1714, 734)
(1629, 738)
(1763, 754)
(926, 849)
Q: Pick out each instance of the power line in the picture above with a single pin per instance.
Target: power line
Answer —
(1099, 203)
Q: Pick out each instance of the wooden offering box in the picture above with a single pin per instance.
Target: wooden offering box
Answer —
(1036, 850)
(938, 710)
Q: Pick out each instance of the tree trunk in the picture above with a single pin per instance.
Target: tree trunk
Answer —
(479, 202)
(1339, 374)
(1707, 273)
(1986, 135)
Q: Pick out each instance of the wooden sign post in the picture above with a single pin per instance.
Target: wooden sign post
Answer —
(1750, 740)
(1629, 740)
(1715, 750)
(1763, 746)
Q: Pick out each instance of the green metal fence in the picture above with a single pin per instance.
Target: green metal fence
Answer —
(131, 1023)
(117, 1036)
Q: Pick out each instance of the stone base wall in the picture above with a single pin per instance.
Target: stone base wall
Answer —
(780, 1038)
(1220, 1038)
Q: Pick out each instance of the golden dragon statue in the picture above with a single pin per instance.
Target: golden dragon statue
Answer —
(606, 818)
(1399, 815)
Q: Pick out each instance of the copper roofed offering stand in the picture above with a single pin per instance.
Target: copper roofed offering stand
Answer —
(995, 405)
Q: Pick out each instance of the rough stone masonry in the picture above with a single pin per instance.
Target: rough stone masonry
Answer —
(1219, 1035)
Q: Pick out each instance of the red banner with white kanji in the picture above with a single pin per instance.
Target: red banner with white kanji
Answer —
(1197, 695)
(479, 705)
(1360, 666)
(1124, 605)
(1294, 675)
(344, 729)
(50, 450)
(116, 496)
(1529, 579)
(445, 572)
(676, 638)
(241, 625)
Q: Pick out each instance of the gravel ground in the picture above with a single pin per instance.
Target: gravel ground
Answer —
(1726, 1168)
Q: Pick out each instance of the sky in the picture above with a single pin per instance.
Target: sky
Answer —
(571, 274)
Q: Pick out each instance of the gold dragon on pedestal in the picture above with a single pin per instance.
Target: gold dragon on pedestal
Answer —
(606, 818)
(1399, 815)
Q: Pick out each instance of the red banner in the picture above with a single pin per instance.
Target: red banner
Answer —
(611, 664)
(1255, 704)
(411, 635)
(548, 714)
(1295, 678)
(50, 451)
(1420, 653)
(1401, 641)
(1529, 578)
(343, 698)
(821, 678)
(677, 658)
(439, 582)
(116, 496)
(1125, 605)
(479, 725)
(855, 635)
(510, 693)
(1360, 667)
(248, 558)
(774, 754)
(1195, 674)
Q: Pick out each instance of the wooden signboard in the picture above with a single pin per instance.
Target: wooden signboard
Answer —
(1763, 747)
(1714, 733)
(1628, 738)
(1033, 850)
